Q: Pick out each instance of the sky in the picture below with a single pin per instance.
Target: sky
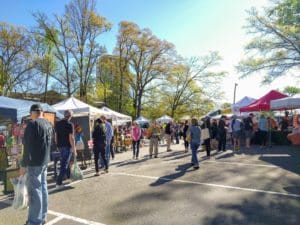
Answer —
(195, 27)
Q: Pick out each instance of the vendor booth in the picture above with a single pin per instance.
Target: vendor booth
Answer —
(13, 116)
(142, 121)
(290, 103)
(164, 119)
(263, 105)
(84, 117)
(117, 118)
(241, 103)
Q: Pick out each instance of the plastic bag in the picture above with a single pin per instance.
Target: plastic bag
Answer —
(21, 192)
(76, 173)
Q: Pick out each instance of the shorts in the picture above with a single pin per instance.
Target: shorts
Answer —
(248, 133)
(236, 134)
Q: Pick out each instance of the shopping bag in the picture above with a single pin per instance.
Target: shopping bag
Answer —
(76, 173)
(205, 134)
(80, 145)
(21, 192)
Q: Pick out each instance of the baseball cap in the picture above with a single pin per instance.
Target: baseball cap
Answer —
(36, 108)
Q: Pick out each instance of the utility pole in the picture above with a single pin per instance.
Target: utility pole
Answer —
(234, 94)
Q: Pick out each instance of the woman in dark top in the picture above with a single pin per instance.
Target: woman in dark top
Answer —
(184, 134)
(206, 142)
(222, 134)
(99, 140)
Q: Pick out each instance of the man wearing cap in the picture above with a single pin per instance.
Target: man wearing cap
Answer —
(65, 141)
(38, 138)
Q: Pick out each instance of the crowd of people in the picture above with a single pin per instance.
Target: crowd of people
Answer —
(39, 137)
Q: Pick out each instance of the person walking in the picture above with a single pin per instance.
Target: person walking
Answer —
(99, 141)
(222, 134)
(65, 141)
(206, 125)
(38, 138)
(168, 132)
(236, 125)
(195, 136)
(153, 135)
(136, 134)
(248, 128)
(263, 131)
(184, 134)
(109, 135)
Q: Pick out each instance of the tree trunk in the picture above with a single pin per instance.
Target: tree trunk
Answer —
(46, 87)
(139, 104)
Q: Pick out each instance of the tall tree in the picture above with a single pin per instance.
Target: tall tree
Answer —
(187, 81)
(85, 26)
(275, 47)
(58, 35)
(147, 57)
(16, 61)
(75, 37)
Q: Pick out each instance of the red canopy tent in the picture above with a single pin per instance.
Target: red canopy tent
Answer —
(263, 104)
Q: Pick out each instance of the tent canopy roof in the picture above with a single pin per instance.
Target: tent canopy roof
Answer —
(263, 104)
(16, 109)
(164, 119)
(116, 115)
(142, 119)
(78, 107)
(292, 102)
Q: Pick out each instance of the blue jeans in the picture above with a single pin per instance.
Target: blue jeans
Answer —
(136, 148)
(107, 154)
(65, 154)
(38, 194)
(194, 148)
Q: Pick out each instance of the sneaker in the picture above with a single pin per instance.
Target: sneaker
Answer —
(156, 156)
(97, 174)
(169, 150)
(106, 170)
(196, 167)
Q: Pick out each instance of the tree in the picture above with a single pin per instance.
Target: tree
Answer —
(16, 62)
(75, 38)
(147, 58)
(290, 91)
(186, 82)
(58, 35)
(275, 47)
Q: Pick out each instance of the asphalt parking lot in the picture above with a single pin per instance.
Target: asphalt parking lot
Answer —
(255, 187)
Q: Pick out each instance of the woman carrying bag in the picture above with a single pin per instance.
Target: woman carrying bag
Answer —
(205, 136)
(136, 134)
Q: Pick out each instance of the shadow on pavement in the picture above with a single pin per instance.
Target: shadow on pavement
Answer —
(260, 210)
(182, 169)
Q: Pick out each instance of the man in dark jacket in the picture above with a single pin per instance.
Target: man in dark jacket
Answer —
(38, 138)
(100, 142)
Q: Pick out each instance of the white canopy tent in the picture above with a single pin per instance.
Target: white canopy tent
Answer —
(142, 120)
(79, 108)
(286, 103)
(164, 119)
(117, 118)
(241, 103)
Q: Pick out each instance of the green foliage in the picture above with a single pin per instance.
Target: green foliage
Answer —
(275, 46)
(289, 90)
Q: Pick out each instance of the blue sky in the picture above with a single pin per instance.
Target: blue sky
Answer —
(194, 26)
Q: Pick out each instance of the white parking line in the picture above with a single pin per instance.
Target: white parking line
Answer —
(73, 218)
(209, 184)
(240, 164)
(55, 220)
